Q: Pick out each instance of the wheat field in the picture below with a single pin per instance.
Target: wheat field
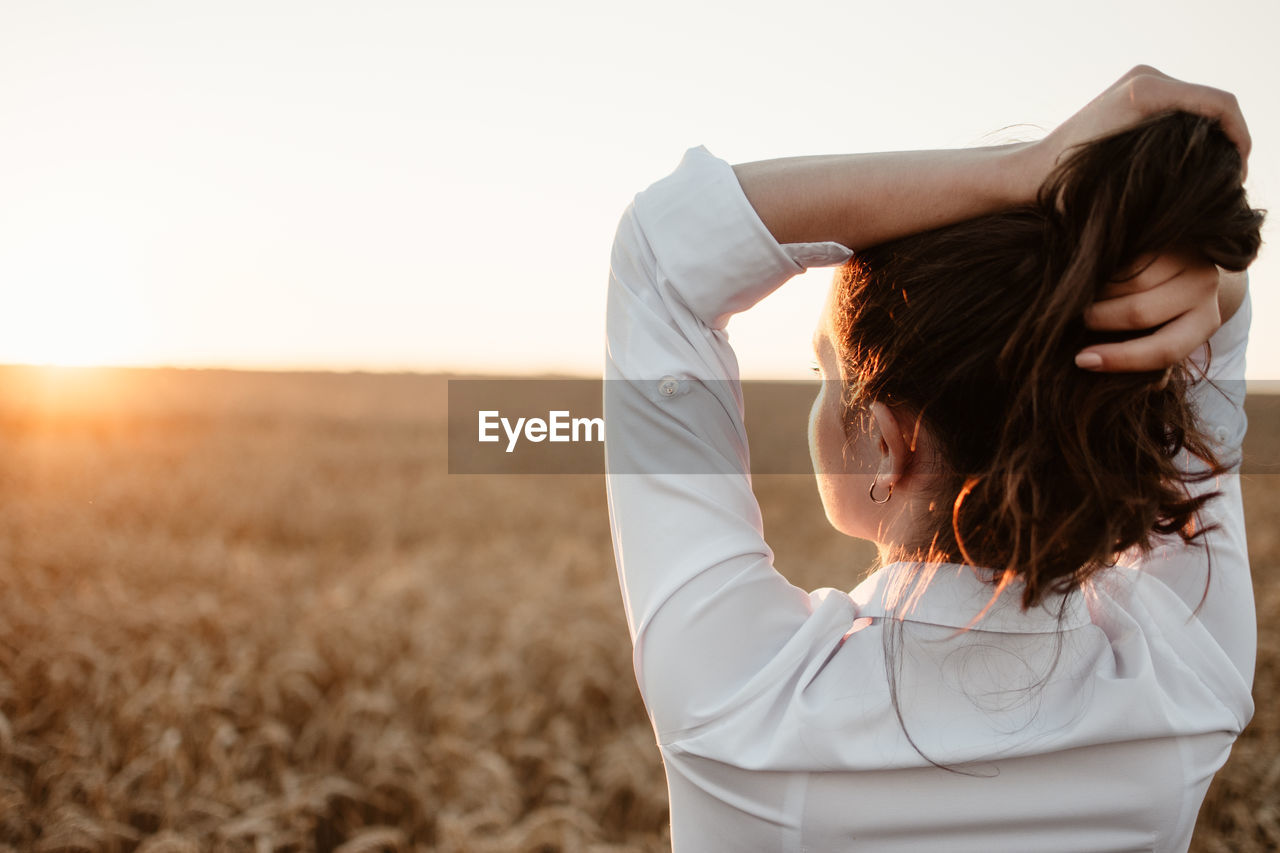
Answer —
(253, 611)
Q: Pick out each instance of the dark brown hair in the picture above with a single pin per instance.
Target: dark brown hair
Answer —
(1048, 470)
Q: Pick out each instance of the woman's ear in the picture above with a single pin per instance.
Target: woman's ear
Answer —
(894, 450)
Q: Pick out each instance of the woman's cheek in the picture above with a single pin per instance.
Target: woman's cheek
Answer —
(825, 440)
(814, 412)
(821, 423)
(842, 475)
(830, 434)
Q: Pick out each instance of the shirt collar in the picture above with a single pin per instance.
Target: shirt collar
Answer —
(955, 594)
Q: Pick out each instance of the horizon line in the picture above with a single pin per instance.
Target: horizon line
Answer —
(1252, 386)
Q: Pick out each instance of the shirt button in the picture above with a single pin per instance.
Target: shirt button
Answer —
(668, 386)
(1221, 434)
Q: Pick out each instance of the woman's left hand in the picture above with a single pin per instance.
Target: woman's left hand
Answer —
(1143, 91)
(1178, 292)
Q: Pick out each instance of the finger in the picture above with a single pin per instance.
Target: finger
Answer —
(1151, 307)
(1135, 311)
(1151, 271)
(1148, 271)
(1149, 93)
(1168, 345)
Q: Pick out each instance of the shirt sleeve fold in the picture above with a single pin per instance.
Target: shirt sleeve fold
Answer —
(705, 607)
(1211, 575)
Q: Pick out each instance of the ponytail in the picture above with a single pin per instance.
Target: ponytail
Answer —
(1050, 470)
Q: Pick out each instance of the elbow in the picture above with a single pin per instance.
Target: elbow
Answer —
(633, 269)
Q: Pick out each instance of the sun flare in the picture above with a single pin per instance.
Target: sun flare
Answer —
(73, 294)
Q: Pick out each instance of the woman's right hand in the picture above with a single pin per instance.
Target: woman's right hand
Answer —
(1140, 93)
(1181, 293)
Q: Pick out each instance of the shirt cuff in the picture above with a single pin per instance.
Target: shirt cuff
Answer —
(712, 246)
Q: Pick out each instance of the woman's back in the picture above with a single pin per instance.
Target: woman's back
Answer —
(1115, 797)
(1113, 750)
(1093, 722)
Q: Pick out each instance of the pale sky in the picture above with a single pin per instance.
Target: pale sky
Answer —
(429, 186)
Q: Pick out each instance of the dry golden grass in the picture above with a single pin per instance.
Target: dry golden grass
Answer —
(254, 612)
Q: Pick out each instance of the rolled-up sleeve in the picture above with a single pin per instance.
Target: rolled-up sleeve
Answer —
(706, 609)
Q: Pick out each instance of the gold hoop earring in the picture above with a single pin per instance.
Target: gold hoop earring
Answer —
(871, 492)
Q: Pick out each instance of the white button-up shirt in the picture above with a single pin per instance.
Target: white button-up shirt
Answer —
(1099, 731)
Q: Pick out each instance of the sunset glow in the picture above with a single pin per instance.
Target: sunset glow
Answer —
(73, 273)
(435, 186)
(76, 322)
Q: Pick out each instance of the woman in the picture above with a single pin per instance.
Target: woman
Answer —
(1056, 651)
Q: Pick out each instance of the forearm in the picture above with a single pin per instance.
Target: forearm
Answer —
(1231, 290)
(860, 200)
